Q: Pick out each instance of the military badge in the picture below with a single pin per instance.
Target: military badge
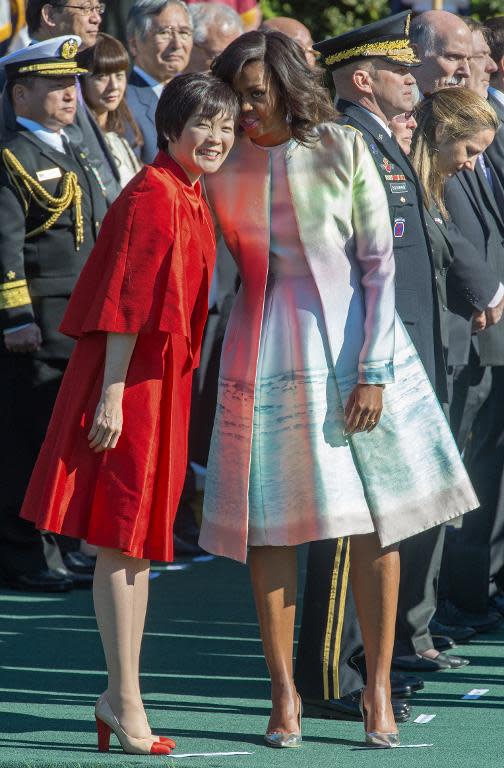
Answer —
(399, 225)
(69, 49)
(386, 165)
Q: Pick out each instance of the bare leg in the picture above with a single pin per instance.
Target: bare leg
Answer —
(141, 596)
(374, 576)
(120, 598)
(273, 572)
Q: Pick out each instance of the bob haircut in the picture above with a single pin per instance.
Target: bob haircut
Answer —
(108, 56)
(304, 99)
(186, 94)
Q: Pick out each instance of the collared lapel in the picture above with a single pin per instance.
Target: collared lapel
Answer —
(60, 158)
(145, 95)
(468, 182)
(497, 105)
(437, 221)
(390, 146)
(486, 191)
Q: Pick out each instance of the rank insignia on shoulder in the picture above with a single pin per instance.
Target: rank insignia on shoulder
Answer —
(10, 275)
(395, 177)
(399, 225)
(438, 220)
(387, 165)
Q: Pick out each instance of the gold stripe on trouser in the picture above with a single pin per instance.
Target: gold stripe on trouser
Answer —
(339, 556)
(341, 618)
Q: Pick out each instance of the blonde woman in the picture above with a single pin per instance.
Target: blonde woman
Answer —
(454, 127)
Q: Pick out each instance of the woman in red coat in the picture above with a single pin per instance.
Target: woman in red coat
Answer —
(112, 467)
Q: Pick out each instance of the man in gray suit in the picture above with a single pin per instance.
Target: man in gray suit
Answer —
(160, 39)
(47, 20)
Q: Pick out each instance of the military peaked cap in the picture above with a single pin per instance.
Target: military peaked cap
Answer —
(50, 58)
(387, 39)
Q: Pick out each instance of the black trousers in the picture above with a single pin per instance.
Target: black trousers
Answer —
(482, 532)
(477, 420)
(329, 636)
(420, 567)
(28, 390)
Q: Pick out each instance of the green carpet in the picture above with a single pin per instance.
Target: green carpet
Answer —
(205, 684)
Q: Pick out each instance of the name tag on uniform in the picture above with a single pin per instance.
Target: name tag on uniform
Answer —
(48, 174)
(396, 189)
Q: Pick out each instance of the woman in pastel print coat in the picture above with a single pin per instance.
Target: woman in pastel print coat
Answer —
(326, 423)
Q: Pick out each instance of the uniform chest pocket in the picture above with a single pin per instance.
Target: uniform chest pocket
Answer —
(407, 226)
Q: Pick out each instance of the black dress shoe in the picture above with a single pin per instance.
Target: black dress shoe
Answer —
(451, 662)
(442, 642)
(78, 562)
(413, 682)
(448, 613)
(423, 664)
(400, 690)
(45, 580)
(497, 603)
(347, 708)
(457, 633)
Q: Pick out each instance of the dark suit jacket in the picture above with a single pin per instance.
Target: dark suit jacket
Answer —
(49, 262)
(143, 102)
(496, 149)
(442, 254)
(416, 295)
(474, 210)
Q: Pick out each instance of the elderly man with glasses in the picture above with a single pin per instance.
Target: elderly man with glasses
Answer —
(160, 39)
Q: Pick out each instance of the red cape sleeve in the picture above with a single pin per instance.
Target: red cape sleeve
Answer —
(124, 284)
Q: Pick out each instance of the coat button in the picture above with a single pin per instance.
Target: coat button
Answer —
(402, 199)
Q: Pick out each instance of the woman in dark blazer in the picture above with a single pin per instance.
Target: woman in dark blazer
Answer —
(454, 127)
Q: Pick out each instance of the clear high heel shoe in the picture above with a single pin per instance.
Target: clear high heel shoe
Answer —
(376, 738)
(106, 722)
(280, 740)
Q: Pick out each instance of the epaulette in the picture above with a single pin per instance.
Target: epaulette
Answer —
(71, 195)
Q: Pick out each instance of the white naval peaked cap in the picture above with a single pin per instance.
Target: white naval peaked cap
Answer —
(49, 58)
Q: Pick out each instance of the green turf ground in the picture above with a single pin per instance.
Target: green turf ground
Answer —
(205, 684)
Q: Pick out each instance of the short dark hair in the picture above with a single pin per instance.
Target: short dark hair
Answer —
(34, 12)
(183, 96)
(495, 37)
(305, 100)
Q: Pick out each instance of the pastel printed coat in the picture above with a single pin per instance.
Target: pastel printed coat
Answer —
(344, 227)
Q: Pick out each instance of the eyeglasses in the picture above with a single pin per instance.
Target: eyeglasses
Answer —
(168, 33)
(87, 9)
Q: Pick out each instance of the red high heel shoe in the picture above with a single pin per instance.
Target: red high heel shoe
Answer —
(106, 722)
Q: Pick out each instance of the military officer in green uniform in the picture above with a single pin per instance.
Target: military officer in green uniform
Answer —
(51, 207)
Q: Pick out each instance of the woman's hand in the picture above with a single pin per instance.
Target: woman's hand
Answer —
(107, 423)
(363, 409)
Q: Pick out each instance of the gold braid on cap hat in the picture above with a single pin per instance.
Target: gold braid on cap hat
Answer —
(400, 50)
(71, 195)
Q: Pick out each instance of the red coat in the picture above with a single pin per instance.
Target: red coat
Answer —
(149, 273)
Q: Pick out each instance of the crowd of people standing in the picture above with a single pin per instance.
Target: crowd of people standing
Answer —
(358, 406)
